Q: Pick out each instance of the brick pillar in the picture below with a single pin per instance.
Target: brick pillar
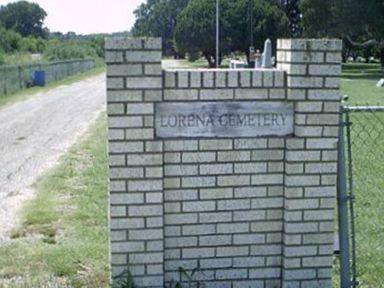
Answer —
(313, 71)
(134, 82)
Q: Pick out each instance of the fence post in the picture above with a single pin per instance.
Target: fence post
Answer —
(345, 269)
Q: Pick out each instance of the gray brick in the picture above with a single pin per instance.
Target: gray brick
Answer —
(266, 226)
(204, 229)
(225, 181)
(216, 193)
(232, 251)
(216, 240)
(145, 210)
(187, 95)
(145, 185)
(143, 56)
(124, 96)
(115, 83)
(234, 156)
(198, 252)
(198, 181)
(250, 168)
(215, 217)
(146, 234)
(199, 157)
(222, 144)
(248, 239)
(232, 228)
(143, 82)
(251, 215)
(216, 169)
(125, 147)
(198, 206)
(265, 273)
(251, 93)
(125, 122)
(180, 170)
(125, 173)
(267, 179)
(210, 94)
(185, 218)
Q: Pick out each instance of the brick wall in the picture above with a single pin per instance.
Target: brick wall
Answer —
(313, 77)
(252, 212)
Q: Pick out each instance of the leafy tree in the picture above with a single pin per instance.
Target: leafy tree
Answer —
(159, 19)
(196, 29)
(292, 10)
(318, 18)
(10, 41)
(25, 18)
(270, 22)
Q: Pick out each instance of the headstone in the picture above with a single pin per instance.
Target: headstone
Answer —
(267, 54)
(258, 59)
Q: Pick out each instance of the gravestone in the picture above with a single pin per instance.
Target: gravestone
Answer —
(229, 171)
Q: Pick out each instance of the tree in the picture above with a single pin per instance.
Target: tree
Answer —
(24, 18)
(269, 21)
(292, 10)
(159, 19)
(318, 18)
(10, 41)
(196, 29)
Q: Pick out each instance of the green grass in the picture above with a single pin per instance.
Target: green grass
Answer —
(63, 239)
(359, 83)
(9, 99)
(367, 133)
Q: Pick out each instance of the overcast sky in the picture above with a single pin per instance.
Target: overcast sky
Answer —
(87, 16)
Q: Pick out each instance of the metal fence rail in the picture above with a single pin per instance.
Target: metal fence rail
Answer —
(16, 77)
(363, 182)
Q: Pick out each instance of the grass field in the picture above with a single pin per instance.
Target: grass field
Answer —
(24, 94)
(359, 83)
(63, 238)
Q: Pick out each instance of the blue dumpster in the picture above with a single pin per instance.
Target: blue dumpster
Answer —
(39, 78)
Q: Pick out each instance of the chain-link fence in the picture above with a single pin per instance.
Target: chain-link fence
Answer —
(364, 155)
(16, 77)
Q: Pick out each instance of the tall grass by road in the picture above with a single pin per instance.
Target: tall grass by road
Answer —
(63, 239)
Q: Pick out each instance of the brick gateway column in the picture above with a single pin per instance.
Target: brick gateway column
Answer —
(134, 82)
(313, 78)
(250, 212)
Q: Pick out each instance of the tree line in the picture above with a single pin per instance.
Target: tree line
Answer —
(188, 26)
(22, 31)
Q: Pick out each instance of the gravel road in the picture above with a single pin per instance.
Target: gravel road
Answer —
(35, 133)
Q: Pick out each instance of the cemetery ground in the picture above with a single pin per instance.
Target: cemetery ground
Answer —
(62, 239)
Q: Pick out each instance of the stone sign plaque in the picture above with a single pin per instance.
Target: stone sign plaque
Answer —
(229, 119)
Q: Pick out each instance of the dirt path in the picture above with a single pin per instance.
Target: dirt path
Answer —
(35, 133)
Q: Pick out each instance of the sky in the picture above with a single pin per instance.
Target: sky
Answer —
(87, 16)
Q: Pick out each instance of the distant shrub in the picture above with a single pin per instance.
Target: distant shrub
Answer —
(68, 50)
(2, 57)
(193, 56)
(33, 45)
(10, 41)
